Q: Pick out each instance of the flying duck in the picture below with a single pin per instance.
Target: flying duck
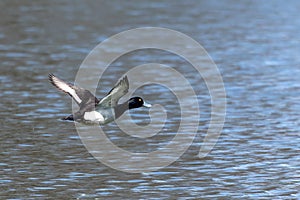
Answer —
(93, 110)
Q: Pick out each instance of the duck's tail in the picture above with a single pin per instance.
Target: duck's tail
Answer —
(69, 118)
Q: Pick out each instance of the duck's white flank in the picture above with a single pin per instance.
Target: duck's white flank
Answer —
(93, 116)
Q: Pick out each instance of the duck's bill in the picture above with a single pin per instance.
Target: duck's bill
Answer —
(147, 105)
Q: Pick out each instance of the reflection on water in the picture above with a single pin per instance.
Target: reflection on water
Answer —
(255, 46)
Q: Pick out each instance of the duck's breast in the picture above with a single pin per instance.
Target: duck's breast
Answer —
(107, 113)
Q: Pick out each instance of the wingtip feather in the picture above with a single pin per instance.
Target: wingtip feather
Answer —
(51, 76)
(56, 81)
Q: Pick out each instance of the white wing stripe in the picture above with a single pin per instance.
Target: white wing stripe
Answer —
(73, 93)
(66, 88)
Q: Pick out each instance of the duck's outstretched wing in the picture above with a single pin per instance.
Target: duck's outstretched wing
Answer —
(80, 95)
(119, 90)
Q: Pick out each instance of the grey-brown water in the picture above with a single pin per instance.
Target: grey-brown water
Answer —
(256, 47)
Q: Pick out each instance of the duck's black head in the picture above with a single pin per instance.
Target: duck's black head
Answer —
(136, 102)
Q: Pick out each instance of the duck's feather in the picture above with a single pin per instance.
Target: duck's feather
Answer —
(80, 95)
(118, 91)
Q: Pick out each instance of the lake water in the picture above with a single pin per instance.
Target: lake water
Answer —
(255, 45)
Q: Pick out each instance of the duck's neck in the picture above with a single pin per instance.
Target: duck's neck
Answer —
(120, 109)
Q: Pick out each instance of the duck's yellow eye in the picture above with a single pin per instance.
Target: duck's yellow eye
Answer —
(140, 99)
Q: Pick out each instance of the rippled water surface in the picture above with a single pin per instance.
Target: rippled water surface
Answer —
(256, 47)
